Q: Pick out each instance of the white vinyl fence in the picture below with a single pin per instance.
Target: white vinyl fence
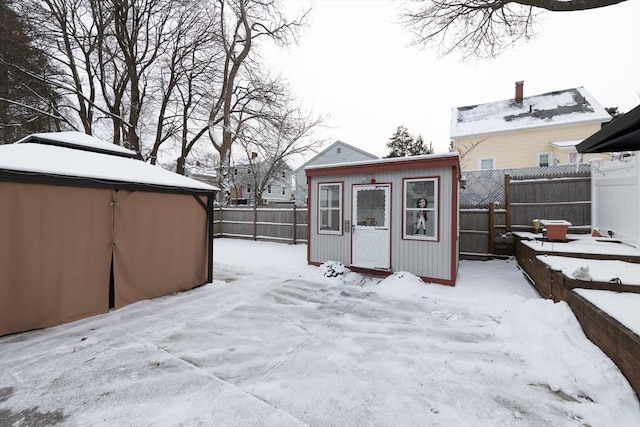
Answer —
(615, 192)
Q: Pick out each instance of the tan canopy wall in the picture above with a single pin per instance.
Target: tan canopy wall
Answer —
(56, 244)
(160, 245)
(55, 254)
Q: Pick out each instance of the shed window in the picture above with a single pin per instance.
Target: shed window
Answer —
(330, 208)
(421, 209)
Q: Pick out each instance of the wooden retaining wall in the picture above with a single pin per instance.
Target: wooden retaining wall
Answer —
(613, 338)
(617, 341)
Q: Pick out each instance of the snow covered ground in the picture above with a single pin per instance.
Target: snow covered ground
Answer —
(275, 342)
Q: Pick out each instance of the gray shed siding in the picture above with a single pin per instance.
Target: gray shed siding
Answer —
(427, 259)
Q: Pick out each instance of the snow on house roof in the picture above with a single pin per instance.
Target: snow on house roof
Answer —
(564, 107)
(70, 162)
(565, 145)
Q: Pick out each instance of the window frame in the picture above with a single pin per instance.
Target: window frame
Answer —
(549, 155)
(434, 209)
(339, 208)
(493, 163)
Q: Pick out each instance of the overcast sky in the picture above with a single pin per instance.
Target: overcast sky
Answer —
(354, 63)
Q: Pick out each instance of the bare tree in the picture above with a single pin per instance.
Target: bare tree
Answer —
(242, 23)
(268, 145)
(27, 103)
(483, 28)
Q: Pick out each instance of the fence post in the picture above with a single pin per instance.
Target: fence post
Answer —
(491, 227)
(294, 224)
(507, 201)
(221, 222)
(255, 222)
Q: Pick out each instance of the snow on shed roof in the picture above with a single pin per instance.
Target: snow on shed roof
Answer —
(390, 160)
(564, 107)
(77, 163)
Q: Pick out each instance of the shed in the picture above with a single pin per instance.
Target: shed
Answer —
(85, 227)
(385, 216)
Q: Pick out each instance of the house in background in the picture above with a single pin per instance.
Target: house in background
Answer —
(615, 184)
(279, 188)
(338, 152)
(538, 130)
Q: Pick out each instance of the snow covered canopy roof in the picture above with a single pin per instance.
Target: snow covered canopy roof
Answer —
(78, 159)
(564, 107)
(79, 141)
(622, 134)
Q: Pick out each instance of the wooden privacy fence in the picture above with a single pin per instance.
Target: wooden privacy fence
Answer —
(287, 225)
(486, 231)
(567, 198)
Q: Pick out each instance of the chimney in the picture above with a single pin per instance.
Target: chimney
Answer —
(519, 91)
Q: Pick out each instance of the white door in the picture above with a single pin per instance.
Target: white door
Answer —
(371, 226)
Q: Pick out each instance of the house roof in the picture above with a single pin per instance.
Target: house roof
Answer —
(622, 134)
(329, 148)
(85, 159)
(559, 108)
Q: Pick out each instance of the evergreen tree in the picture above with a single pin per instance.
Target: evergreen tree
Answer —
(26, 100)
(419, 147)
(400, 143)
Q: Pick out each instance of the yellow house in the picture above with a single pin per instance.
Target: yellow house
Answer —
(540, 130)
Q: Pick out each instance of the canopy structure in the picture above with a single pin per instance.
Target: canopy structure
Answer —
(85, 227)
(622, 134)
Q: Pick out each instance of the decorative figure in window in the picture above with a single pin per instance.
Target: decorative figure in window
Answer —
(421, 216)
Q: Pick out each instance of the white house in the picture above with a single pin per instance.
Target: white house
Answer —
(338, 152)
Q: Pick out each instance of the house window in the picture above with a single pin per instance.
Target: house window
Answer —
(545, 159)
(575, 158)
(421, 209)
(284, 175)
(235, 171)
(269, 189)
(249, 189)
(283, 190)
(338, 150)
(485, 163)
(330, 208)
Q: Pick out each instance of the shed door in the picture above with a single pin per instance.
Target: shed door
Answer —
(371, 227)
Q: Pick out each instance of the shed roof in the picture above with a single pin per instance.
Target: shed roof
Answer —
(82, 158)
(558, 108)
(622, 134)
(390, 164)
